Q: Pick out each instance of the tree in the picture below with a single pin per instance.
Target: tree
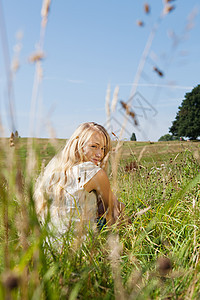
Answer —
(167, 137)
(133, 137)
(187, 121)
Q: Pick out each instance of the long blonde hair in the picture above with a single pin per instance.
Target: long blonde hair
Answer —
(49, 183)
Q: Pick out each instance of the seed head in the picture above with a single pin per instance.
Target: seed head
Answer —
(129, 112)
(140, 23)
(114, 134)
(146, 8)
(168, 8)
(164, 265)
(36, 57)
(45, 8)
(10, 280)
(159, 72)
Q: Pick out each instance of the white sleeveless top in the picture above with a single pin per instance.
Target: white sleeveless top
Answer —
(78, 204)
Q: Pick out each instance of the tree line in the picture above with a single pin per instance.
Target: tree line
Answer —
(187, 120)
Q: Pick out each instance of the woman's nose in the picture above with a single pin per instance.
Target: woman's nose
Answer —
(98, 153)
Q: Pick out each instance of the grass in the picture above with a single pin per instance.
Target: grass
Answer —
(157, 257)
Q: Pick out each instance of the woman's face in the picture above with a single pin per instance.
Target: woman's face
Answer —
(95, 148)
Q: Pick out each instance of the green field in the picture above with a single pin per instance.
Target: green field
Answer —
(157, 257)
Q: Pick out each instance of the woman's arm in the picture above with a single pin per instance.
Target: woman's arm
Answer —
(100, 183)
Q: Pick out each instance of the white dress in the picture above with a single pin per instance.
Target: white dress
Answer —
(78, 205)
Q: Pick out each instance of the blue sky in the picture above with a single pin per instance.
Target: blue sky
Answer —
(89, 45)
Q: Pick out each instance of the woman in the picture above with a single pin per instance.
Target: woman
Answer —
(75, 186)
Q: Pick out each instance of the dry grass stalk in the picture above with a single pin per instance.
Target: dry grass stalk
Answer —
(31, 162)
(167, 9)
(129, 112)
(167, 1)
(115, 157)
(142, 211)
(107, 103)
(1, 129)
(115, 163)
(135, 283)
(38, 56)
(114, 256)
(18, 189)
(159, 72)
(17, 49)
(15, 65)
(141, 153)
(191, 18)
(22, 217)
(7, 189)
(140, 69)
(6, 234)
(12, 140)
(8, 70)
(107, 106)
(115, 98)
(51, 131)
(45, 12)
(115, 135)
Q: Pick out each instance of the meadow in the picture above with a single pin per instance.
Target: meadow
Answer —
(155, 257)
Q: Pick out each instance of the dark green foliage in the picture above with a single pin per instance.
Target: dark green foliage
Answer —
(133, 137)
(167, 137)
(187, 122)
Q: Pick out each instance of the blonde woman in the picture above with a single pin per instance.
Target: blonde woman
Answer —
(74, 186)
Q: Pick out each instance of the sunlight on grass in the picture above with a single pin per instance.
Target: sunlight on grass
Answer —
(156, 256)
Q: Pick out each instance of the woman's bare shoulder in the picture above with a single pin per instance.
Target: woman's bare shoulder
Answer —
(98, 181)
